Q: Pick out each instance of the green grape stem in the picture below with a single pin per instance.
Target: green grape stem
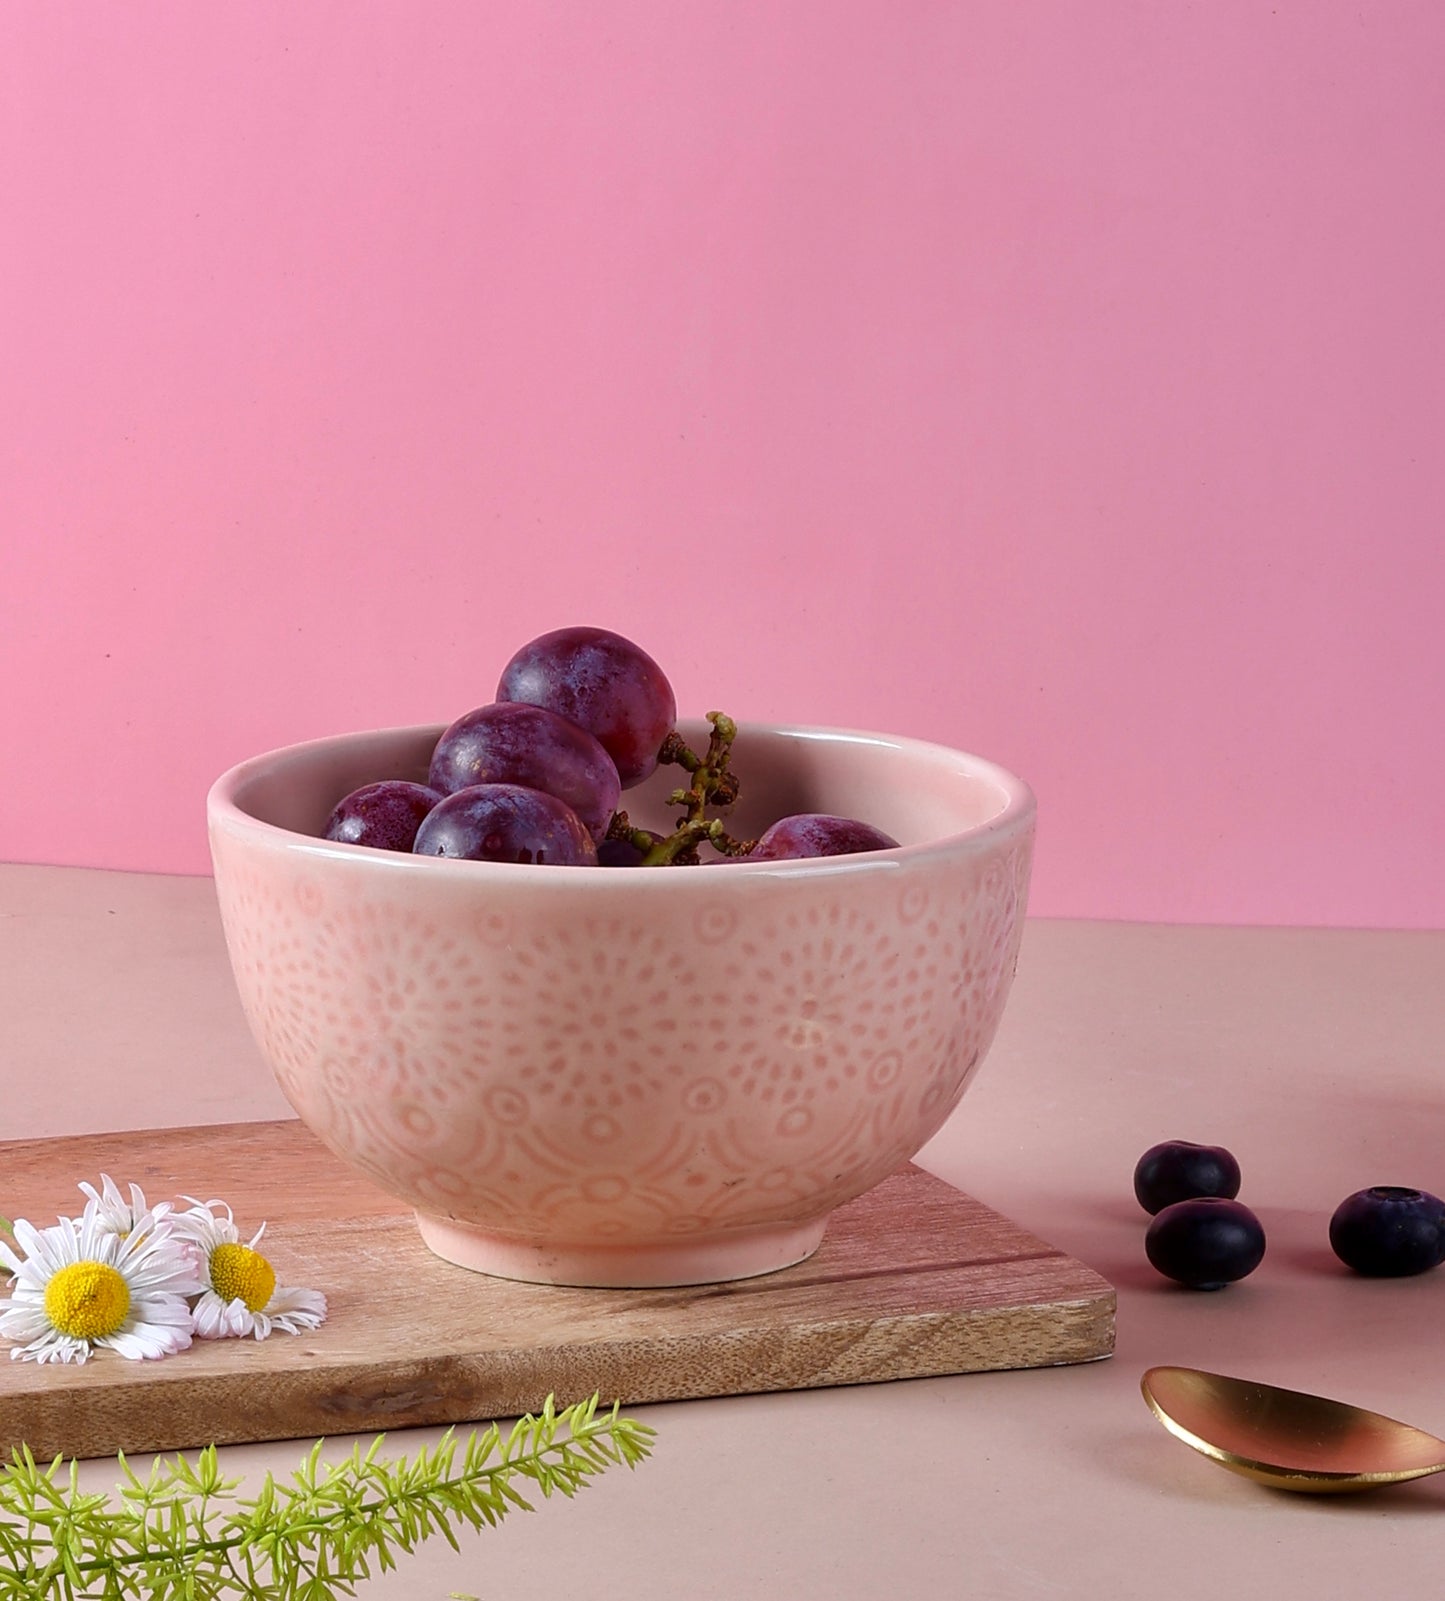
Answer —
(713, 784)
(182, 1533)
(621, 827)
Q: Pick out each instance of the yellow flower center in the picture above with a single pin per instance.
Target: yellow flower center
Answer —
(87, 1300)
(240, 1274)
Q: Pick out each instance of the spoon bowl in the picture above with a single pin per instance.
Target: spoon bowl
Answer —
(1288, 1439)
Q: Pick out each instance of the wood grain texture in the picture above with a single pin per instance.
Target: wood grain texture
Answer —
(913, 1279)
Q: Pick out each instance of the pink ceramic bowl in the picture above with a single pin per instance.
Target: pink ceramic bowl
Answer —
(613, 1076)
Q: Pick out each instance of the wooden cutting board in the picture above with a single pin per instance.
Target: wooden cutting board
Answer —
(912, 1279)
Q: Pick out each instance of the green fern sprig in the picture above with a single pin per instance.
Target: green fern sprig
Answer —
(182, 1534)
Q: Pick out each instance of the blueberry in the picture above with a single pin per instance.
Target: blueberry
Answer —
(1205, 1243)
(1179, 1170)
(1388, 1232)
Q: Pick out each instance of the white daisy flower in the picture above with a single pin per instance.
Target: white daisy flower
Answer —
(240, 1296)
(81, 1285)
(115, 1212)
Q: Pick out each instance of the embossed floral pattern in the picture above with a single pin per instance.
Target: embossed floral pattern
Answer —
(612, 1063)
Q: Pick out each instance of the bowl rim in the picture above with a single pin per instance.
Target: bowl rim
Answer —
(1017, 815)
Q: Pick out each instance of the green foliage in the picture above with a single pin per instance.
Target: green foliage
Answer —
(182, 1534)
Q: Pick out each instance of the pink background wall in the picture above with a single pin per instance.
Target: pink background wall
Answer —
(1061, 381)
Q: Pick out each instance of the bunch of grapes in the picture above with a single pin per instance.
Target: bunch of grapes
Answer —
(580, 715)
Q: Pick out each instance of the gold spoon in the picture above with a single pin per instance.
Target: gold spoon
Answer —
(1285, 1438)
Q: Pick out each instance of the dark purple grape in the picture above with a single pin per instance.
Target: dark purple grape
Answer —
(506, 823)
(1389, 1232)
(385, 816)
(817, 834)
(622, 852)
(1179, 1170)
(1205, 1243)
(603, 683)
(514, 743)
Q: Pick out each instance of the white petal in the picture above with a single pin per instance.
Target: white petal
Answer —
(146, 1341)
(94, 1242)
(162, 1308)
(26, 1294)
(202, 1225)
(51, 1249)
(164, 1264)
(23, 1321)
(53, 1346)
(295, 1310)
(215, 1319)
(116, 1213)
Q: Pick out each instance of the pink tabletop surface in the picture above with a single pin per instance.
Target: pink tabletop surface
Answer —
(1313, 1054)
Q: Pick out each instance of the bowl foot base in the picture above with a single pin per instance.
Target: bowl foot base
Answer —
(743, 1255)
